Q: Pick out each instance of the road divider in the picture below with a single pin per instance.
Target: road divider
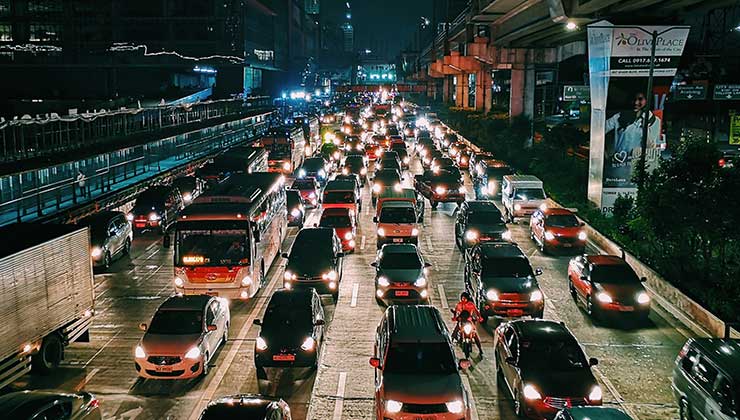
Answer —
(355, 290)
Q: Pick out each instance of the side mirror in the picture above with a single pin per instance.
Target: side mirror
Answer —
(284, 255)
(511, 361)
(166, 241)
(211, 327)
(427, 265)
(374, 264)
(643, 279)
(142, 326)
(593, 361)
(256, 234)
(537, 271)
(375, 219)
(464, 364)
(257, 322)
(375, 362)
(319, 322)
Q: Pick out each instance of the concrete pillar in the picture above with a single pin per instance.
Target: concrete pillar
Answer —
(483, 82)
(446, 86)
(462, 90)
(516, 96)
(529, 88)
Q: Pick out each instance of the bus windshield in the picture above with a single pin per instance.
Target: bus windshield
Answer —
(212, 247)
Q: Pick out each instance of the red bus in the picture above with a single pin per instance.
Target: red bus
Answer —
(226, 241)
(286, 149)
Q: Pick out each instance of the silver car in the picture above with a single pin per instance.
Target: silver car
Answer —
(111, 236)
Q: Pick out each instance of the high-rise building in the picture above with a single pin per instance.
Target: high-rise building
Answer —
(313, 7)
(349, 37)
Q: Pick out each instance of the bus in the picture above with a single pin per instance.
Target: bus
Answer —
(237, 160)
(226, 241)
(286, 148)
(311, 131)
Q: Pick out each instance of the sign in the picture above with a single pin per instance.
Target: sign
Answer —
(631, 49)
(576, 93)
(690, 93)
(735, 128)
(727, 92)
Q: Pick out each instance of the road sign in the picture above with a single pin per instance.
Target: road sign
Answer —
(734, 128)
(727, 92)
(691, 92)
(576, 93)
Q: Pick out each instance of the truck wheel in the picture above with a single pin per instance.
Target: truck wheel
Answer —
(49, 356)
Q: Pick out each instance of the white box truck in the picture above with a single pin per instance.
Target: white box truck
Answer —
(47, 296)
(521, 195)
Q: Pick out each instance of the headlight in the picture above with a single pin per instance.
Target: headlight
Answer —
(531, 393)
(440, 190)
(381, 232)
(414, 232)
(420, 282)
(289, 276)
(260, 343)
(376, 187)
(187, 197)
(397, 187)
(130, 217)
(331, 275)
(461, 190)
(308, 344)
(595, 394)
(139, 352)
(336, 155)
(301, 173)
(295, 212)
(393, 407)
(322, 173)
(543, 206)
(506, 235)
(471, 235)
(363, 171)
(96, 252)
(582, 236)
(246, 281)
(193, 353)
(455, 407)
(643, 298)
(468, 328)
(491, 187)
(549, 235)
(603, 297)
(406, 160)
(536, 296)
(154, 216)
(287, 166)
(517, 207)
(492, 295)
(348, 236)
(179, 282)
(383, 281)
(463, 160)
(312, 195)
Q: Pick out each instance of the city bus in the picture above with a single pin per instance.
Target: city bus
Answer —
(311, 127)
(286, 148)
(226, 241)
(237, 160)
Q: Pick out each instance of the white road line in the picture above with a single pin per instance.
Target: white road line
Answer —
(443, 296)
(339, 402)
(355, 290)
(471, 399)
(87, 379)
(102, 348)
(362, 243)
(428, 240)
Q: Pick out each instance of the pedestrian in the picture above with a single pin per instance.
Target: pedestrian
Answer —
(81, 182)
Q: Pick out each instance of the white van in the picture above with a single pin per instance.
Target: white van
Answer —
(521, 195)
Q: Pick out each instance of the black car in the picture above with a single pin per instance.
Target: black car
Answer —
(315, 167)
(502, 282)
(403, 154)
(296, 208)
(190, 187)
(246, 407)
(110, 236)
(355, 164)
(478, 222)
(400, 275)
(41, 405)
(429, 156)
(385, 178)
(292, 331)
(156, 208)
(541, 364)
(388, 162)
(488, 179)
(315, 260)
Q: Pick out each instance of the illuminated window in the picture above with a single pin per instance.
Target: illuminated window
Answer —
(44, 6)
(45, 32)
(6, 32)
(4, 7)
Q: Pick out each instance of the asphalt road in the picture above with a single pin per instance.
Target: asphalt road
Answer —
(634, 364)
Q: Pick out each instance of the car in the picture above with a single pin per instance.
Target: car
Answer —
(344, 222)
(291, 333)
(501, 281)
(190, 187)
(396, 139)
(315, 260)
(441, 163)
(352, 143)
(463, 159)
(385, 178)
(246, 407)
(389, 154)
(296, 208)
(440, 187)
(416, 372)
(489, 177)
(400, 275)
(557, 229)
(542, 366)
(387, 161)
(457, 147)
(607, 285)
(309, 190)
(373, 150)
(591, 413)
(479, 221)
(111, 236)
(397, 222)
(429, 156)
(315, 167)
(706, 379)
(403, 154)
(156, 207)
(342, 192)
(357, 165)
(182, 338)
(476, 158)
(41, 405)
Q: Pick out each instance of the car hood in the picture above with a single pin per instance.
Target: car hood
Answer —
(426, 389)
(510, 284)
(401, 276)
(306, 267)
(577, 383)
(445, 184)
(169, 344)
(565, 231)
(288, 336)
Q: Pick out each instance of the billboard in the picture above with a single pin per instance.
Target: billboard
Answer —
(619, 66)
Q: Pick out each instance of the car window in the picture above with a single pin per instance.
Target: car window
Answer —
(687, 363)
(59, 411)
(705, 374)
(513, 345)
(210, 315)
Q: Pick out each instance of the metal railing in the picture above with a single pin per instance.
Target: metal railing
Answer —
(27, 137)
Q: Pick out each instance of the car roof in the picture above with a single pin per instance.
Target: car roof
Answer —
(500, 250)
(605, 260)
(482, 205)
(292, 297)
(24, 404)
(185, 302)
(541, 329)
(597, 413)
(551, 211)
(416, 323)
(725, 353)
(399, 249)
(314, 233)
(103, 216)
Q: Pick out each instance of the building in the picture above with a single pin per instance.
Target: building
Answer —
(348, 37)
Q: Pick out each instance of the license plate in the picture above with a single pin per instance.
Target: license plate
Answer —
(626, 308)
(163, 368)
(567, 245)
(284, 357)
(212, 294)
(397, 239)
(515, 312)
(402, 292)
(140, 225)
(485, 238)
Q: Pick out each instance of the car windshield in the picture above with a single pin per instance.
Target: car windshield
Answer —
(287, 316)
(313, 165)
(529, 194)
(485, 218)
(397, 215)
(399, 261)
(420, 358)
(311, 249)
(176, 323)
(148, 199)
(335, 221)
(212, 247)
(354, 162)
(562, 220)
(339, 197)
(506, 267)
(387, 177)
(303, 184)
(552, 355)
(614, 274)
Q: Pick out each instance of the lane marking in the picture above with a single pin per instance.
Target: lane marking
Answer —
(442, 296)
(362, 243)
(428, 240)
(102, 348)
(152, 254)
(471, 398)
(87, 379)
(355, 290)
(339, 402)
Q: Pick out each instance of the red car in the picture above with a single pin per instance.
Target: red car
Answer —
(606, 284)
(373, 151)
(344, 222)
(309, 190)
(557, 228)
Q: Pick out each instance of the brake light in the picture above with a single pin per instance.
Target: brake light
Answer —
(94, 403)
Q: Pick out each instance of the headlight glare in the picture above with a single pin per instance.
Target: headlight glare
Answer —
(603, 297)
(531, 393)
(139, 352)
(308, 344)
(492, 295)
(260, 343)
(420, 282)
(643, 298)
(393, 407)
(536, 296)
(193, 353)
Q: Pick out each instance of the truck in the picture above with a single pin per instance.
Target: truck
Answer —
(521, 195)
(47, 303)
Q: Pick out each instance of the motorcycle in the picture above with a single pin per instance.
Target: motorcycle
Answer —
(465, 332)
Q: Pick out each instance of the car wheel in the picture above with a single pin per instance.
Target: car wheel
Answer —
(589, 306)
(335, 296)
(127, 247)
(518, 405)
(206, 359)
(573, 292)
(225, 338)
(458, 242)
(261, 373)
(434, 204)
(684, 411)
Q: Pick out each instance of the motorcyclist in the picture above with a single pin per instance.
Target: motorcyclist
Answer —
(466, 304)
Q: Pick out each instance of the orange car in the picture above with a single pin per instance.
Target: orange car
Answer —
(557, 228)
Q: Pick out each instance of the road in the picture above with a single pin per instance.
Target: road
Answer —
(634, 364)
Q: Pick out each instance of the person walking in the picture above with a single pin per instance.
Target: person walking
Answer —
(81, 179)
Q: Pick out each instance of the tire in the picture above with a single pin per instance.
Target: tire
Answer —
(467, 349)
(458, 242)
(261, 373)
(225, 338)
(127, 247)
(518, 406)
(684, 411)
(49, 356)
(573, 292)
(434, 204)
(335, 296)
(206, 369)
